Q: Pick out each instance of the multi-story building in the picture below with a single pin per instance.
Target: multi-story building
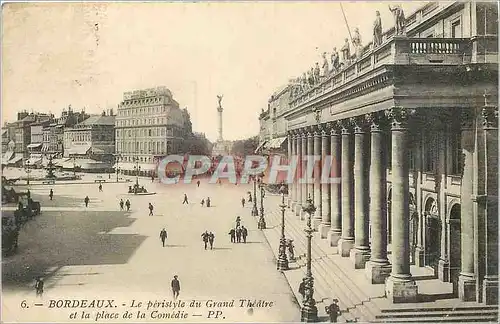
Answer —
(149, 125)
(36, 142)
(411, 123)
(90, 144)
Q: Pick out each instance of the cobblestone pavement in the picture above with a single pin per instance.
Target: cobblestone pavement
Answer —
(101, 252)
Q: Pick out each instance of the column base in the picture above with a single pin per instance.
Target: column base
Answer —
(345, 246)
(303, 215)
(419, 256)
(315, 223)
(333, 237)
(359, 257)
(297, 208)
(400, 291)
(323, 230)
(377, 272)
(466, 288)
(289, 202)
(444, 270)
(490, 290)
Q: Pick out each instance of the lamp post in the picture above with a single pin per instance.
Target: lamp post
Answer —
(262, 222)
(74, 166)
(255, 212)
(117, 158)
(137, 168)
(28, 171)
(282, 259)
(309, 310)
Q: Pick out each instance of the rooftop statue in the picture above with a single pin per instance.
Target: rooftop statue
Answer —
(377, 30)
(335, 59)
(326, 68)
(346, 51)
(219, 98)
(310, 77)
(356, 41)
(399, 19)
(317, 73)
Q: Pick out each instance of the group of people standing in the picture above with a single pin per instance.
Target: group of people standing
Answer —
(238, 232)
(126, 203)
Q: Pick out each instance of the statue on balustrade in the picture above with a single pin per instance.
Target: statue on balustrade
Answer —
(399, 20)
(326, 67)
(304, 82)
(346, 51)
(356, 42)
(310, 77)
(377, 30)
(317, 73)
(335, 60)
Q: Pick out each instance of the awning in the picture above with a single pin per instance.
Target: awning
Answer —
(7, 156)
(59, 162)
(78, 150)
(34, 145)
(276, 143)
(148, 167)
(15, 159)
(260, 146)
(126, 166)
(34, 160)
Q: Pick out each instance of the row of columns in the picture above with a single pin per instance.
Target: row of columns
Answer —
(344, 209)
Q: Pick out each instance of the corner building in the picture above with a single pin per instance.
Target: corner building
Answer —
(413, 123)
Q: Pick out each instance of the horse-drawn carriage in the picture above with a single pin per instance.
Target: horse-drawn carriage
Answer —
(10, 233)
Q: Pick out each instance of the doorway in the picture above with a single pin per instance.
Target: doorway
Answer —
(432, 234)
(455, 246)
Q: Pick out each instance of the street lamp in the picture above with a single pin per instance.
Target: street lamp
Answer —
(309, 310)
(262, 222)
(28, 171)
(282, 259)
(137, 168)
(255, 212)
(117, 158)
(74, 166)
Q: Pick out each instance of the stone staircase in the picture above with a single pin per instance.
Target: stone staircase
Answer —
(359, 301)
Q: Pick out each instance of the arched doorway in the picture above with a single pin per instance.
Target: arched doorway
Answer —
(413, 227)
(455, 246)
(432, 234)
(389, 218)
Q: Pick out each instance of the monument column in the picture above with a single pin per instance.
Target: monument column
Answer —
(325, 186)
(361, 253)
(317, 177)
(400, 286)
(335, 189)
(467, 277)
(378, 267)
(346, 242)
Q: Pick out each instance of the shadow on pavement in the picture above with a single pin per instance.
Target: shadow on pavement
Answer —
(57, 239)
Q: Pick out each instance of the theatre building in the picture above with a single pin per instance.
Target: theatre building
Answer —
(413, 126)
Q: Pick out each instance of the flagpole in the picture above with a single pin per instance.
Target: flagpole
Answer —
(348, 29)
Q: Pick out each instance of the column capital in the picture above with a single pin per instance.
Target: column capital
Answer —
(345, 126)
(398, 116)
(359, 123)
(324, 128)
(335, 127)
(377, 121)
(317, 130)
(490, 116)
(467, 118)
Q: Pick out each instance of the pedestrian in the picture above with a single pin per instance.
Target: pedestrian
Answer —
(86, 200)
(185, 201)
(208, 201)
(109, 176)
(333, 311)
(152, 178)
(51, 194)
(204, 237)
(211, 238)
(302, 288)
(150, 209)
(121, 204)
(232, 233)
(39, 287)
(249, 196)
(238, 234)
(163, 236)
(290, 247)
(202, 202)
(28, 194)
(198, 183)
(127, 203)
(176, 287)
(243, 202)
(100, 187)
(244, 233)
(238, 221)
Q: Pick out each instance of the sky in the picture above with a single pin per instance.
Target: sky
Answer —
(89, 54)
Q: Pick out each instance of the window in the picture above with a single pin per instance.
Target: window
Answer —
(149, 132)
(487, 18)
(455, 153)
(430, 152)
(456, 29)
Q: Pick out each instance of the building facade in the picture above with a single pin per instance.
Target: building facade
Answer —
(90, 144)
(149, 125)
(412, 125)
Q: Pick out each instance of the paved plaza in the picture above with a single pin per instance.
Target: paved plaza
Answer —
(101, 252)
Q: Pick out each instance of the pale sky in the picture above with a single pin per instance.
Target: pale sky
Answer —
(53, 56)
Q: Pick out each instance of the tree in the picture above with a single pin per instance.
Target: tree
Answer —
(245, 147)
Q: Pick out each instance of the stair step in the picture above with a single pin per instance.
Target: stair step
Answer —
(443, 313)
(437, 319)
(433, 308)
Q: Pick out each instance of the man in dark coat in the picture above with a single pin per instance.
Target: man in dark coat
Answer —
(150, 209)
(211, 238)
(243, 202)
(121, 204)
(100, 187)
(86, 200)
(232, 233)
(204, 237)
(244, 233)
(176, 287)
(333, 311)
(302, 288)
(127, 203)
(39, 287)
(185, 201)
(238, 234)
(51, 194)
(163, 236)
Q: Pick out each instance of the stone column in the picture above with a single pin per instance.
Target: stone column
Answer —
(298, 202)
(378, 268)
(400, 286)
(305, 189)
(292, 187)
(489, 204)
(346, 242)
(335, 189)
(324, 227)
(317, 178)
(310, 152)
(467, 277)
(289, 152)
(361, 252)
